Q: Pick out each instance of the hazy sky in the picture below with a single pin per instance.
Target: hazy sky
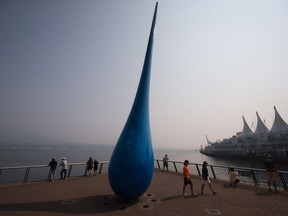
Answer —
(69, 70)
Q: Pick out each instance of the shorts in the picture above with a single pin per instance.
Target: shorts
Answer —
(204, 181)
(165, 164)
(187, 181)
(271, 176)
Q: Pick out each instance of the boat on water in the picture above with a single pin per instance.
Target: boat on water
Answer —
(253, 145)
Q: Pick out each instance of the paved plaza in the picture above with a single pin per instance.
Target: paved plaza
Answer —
(93, 196)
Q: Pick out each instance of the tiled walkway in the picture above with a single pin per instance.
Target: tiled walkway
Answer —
(93, 196)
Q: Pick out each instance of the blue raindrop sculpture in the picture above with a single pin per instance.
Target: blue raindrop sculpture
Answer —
(132, 162)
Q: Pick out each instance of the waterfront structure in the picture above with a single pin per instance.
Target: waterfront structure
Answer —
(254, 145)
(131, 165)
(93, 197)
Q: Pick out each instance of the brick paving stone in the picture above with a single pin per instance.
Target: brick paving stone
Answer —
(93, 196)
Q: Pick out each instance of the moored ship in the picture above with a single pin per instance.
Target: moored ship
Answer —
(253, 145)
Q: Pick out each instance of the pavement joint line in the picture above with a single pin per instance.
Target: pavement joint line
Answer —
(213, 211)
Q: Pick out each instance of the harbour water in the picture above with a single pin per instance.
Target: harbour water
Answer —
(41, 154)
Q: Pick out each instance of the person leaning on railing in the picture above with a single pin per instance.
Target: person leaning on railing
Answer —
(53, 165)
(64, 165)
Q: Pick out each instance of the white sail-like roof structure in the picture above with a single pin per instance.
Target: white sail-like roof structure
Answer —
(246, 129)
(279, 124)
(260, 128)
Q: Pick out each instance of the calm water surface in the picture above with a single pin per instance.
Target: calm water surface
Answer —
(33, 154)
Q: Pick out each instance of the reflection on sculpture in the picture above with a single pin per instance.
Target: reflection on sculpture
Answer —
(131, 165)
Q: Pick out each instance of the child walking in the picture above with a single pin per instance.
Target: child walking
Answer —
(187, 179)
(205, 178)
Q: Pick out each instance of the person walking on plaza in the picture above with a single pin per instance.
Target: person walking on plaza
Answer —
(53, 165)
(64, 165)
(187, 179)
(95, 166)
(233, 177)
(205, 178)
(165, 162)
(89, 166)
(271, 171)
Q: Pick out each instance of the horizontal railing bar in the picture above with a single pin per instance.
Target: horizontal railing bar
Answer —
(23, 167)
(251, 171)
(221, 166)
(28, 170)
(248, 170)
(41, 166)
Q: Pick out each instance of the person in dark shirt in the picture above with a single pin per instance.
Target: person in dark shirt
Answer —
(205, 178)
(95, 166)
(165, 162)
(53, 165)
(89, 166)
(271, 171)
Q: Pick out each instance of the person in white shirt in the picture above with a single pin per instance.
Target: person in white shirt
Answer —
(64, 164)
(233, 177)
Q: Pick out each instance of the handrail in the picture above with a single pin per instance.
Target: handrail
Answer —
(23, 167)
(218, 171)
(29, 168)
(250, 172)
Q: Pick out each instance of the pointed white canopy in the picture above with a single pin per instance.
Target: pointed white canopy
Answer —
(246, 129)
(260, 128)
(279, 124)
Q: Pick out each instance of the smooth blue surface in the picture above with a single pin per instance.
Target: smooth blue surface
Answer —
(131, 165)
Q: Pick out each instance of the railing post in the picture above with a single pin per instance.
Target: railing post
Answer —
(198, 169)
(86, 169)
(175, 166)
(101, 165)
(26, 175)
(283, 181)
(70, 170)
(49, 173)
(213, 172)
(158, 163)
(254, 177)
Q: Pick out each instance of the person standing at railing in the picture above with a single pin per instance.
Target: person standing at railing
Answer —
(187, 179)
(89, 166)
(53, 165)
(96, 163)
(205, 178)
(271, 171)
(64, 165)
(165, 162)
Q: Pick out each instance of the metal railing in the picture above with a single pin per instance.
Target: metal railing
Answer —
(246, 174)
(40, 172)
